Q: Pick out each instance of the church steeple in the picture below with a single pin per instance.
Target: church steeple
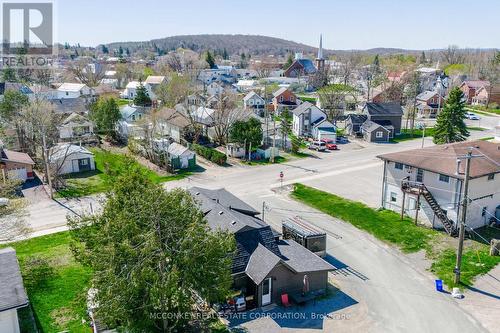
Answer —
(320, 50)
(320, 61)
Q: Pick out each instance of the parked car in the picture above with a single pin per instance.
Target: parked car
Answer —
(471, 116)
(342, 139)
(317, 145)
(330, 144)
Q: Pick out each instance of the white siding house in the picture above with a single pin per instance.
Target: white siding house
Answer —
(436, 172)
(305, 116)
(72, 90)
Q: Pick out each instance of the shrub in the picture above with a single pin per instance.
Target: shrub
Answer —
(210, 154)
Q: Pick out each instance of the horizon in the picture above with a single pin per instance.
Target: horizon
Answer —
(390, 29)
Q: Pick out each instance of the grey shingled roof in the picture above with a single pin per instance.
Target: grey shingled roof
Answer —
(12, 293)
(260, 264)
(301, 260)
(357, 118)
(390, 109)
(302, 108)
(226, 199)
(371, 126)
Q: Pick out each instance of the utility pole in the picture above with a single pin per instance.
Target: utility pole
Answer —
(274, 141)
(465, 200)
(47, 165)
(423, 134)
(263, 210)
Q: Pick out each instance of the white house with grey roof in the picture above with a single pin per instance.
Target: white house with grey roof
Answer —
(428, 184)
(310, 121)
(12, 293)
(264, 266)
(252, 100)
(73, 90)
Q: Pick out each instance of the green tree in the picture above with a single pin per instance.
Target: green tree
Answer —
(246, 133)
(105, 49)
(149, 251)
(376, 65)
(9, 75)
(174, 91)
(142, 96)
(11, 104)
(296, 143)
(450, 125)
(285, 126)
(289, 61)
(225, 55)
(105, 114)
(210, 60)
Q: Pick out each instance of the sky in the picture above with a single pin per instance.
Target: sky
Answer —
(345, 24)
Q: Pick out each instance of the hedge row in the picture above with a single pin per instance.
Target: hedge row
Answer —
(210, 154)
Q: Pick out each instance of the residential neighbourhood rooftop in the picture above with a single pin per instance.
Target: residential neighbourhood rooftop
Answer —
(12, 292)
(443, 158)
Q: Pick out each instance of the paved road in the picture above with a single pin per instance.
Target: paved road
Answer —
(390, 293)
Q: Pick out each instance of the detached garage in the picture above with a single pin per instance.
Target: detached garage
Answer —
(16, 165)
(68, 158)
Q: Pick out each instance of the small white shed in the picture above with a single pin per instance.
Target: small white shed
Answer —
(68, 158)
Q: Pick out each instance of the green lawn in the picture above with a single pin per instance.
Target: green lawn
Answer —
(417, 133)
(387, 226)
(483, 110)
(122, 102)
(60, 304)
(98, 181)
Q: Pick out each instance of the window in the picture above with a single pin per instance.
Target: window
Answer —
(484, 210)
(379, 134)
(399, 166)
(67, 93)
(394, 197)
(491, 176)
(420, 175)
(291, 98)
(281, 98)
(444, 178)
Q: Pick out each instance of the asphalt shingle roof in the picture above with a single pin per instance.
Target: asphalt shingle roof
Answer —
(375, 109)
(12, 293)
(442, 158)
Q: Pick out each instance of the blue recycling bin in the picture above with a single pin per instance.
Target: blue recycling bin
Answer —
(439, 285)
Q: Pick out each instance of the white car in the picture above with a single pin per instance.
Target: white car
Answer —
(318, 145)
(471, 116)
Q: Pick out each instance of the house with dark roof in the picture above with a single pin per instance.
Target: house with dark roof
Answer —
(12, 293)
(264, 266)
(353, 123)
(300, 67)
(429, 182)
(386, 115)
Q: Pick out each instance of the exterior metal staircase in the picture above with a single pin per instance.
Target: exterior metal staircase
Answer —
(419, 188)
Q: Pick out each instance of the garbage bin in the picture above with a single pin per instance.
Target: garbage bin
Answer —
(439, 285)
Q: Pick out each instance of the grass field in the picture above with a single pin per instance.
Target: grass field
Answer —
(98, 181)
(417, 133)
(59, 305)
(387, 226)
(483, 110)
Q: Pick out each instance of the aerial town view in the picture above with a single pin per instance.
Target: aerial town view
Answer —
(298, 166)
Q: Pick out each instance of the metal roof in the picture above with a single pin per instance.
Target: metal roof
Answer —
(12, 293)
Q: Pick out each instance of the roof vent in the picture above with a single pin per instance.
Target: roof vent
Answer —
(197, 193)
(221, 212)
(233, 222)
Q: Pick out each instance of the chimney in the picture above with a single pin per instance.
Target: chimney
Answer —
(458, 166)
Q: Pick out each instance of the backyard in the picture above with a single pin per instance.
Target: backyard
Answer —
(59, 302)
(388, 227)
(108, 165)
